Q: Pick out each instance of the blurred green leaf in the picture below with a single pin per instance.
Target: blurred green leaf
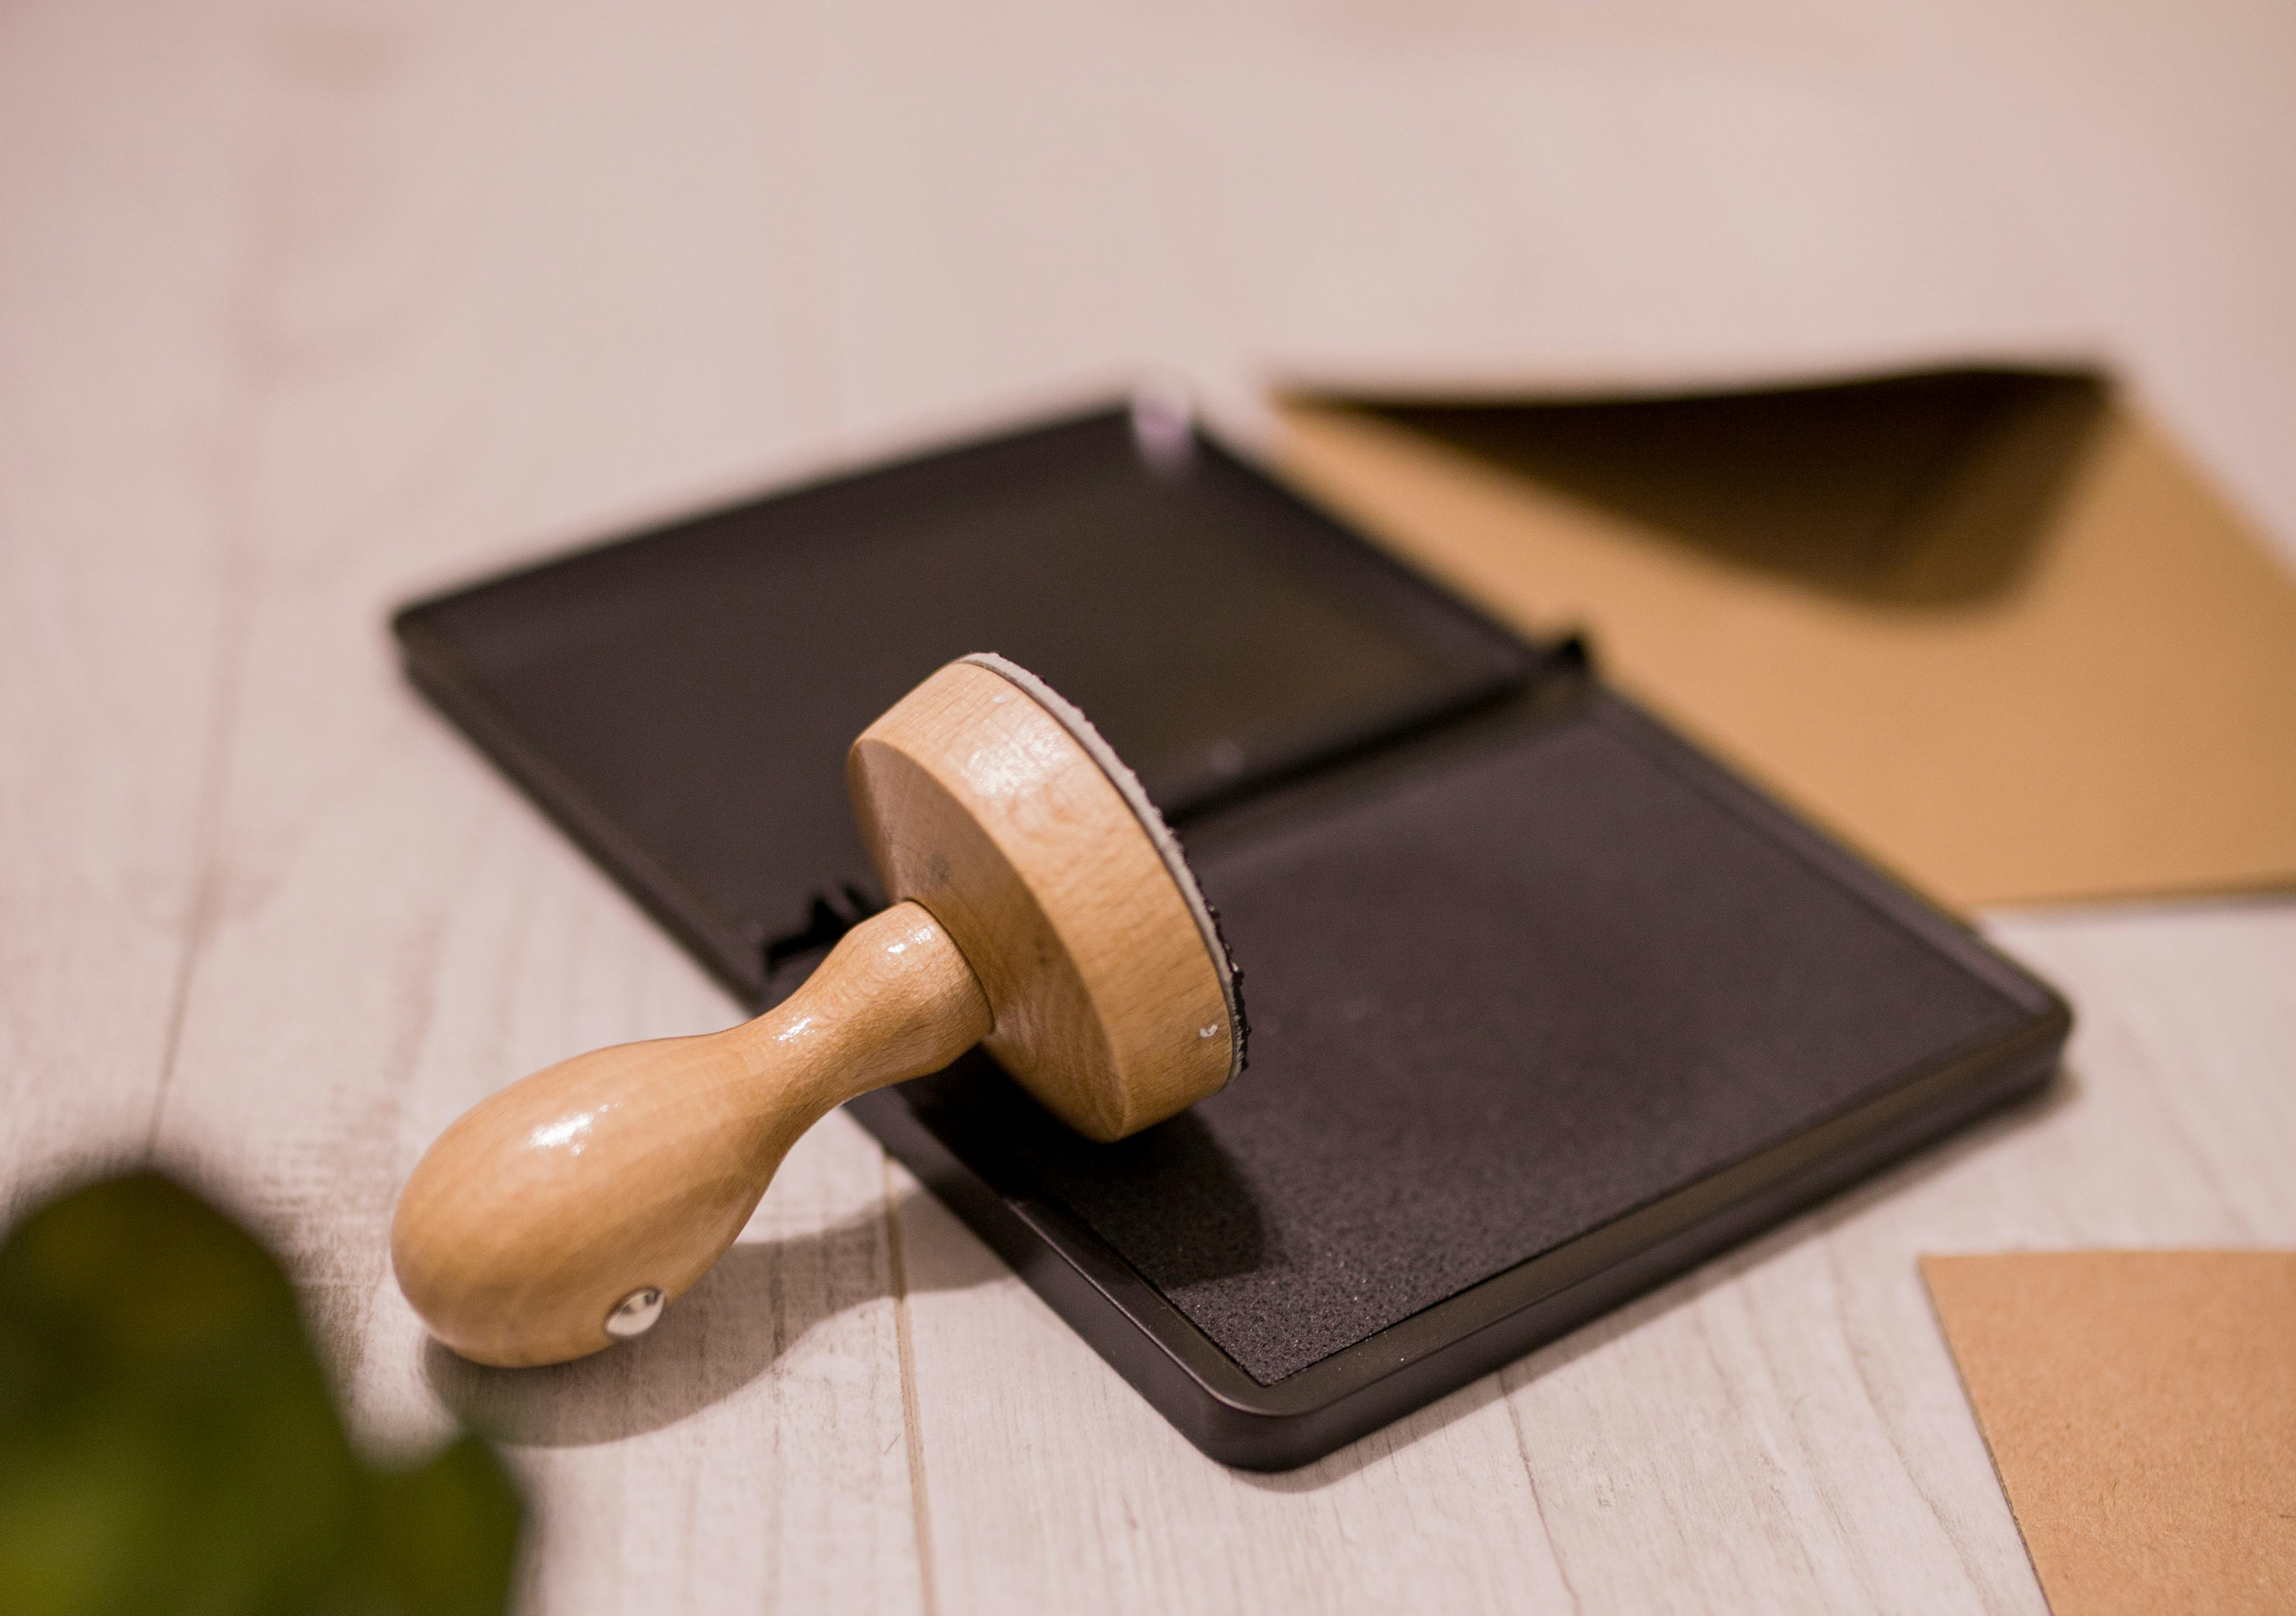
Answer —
(168, 1441)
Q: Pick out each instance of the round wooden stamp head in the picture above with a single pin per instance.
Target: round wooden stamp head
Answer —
(989, 799)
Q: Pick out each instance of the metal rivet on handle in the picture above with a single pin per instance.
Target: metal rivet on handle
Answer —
(635, 1313)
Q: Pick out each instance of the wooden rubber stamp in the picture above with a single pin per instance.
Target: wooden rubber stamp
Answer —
(1039, 906)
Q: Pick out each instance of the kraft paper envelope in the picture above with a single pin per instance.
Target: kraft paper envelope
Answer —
(2140, 1407)
(1990, 625)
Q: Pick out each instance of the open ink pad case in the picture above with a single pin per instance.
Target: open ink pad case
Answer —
(1546, 1005)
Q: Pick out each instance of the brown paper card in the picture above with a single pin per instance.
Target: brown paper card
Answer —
(2140, 1407)
(1991, 626)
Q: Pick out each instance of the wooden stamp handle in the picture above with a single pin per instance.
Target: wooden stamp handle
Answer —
(566, 1210)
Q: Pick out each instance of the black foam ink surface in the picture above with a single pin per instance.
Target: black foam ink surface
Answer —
(1494, 1006)
(1529, 977)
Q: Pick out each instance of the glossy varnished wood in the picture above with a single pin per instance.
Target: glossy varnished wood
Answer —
(630, 1170)
(1033, 907)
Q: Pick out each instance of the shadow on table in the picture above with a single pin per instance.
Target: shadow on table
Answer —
(755, 1306)
(1821, 1219)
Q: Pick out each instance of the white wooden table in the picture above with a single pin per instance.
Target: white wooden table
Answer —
(305, 308)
